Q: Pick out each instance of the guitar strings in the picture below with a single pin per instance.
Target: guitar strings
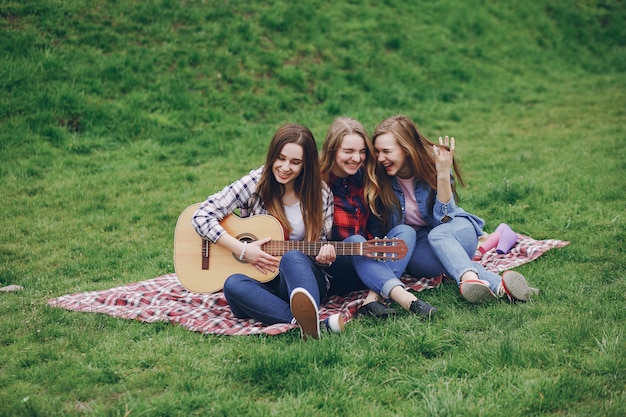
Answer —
(278, 247)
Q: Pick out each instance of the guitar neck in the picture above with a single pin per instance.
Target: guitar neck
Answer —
(279, 247)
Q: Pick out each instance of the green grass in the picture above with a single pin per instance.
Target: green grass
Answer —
(116, 115)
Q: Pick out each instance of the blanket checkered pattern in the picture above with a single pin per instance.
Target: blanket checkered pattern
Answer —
(165, 299)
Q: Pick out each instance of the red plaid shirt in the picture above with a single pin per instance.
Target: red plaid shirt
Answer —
(351, 212)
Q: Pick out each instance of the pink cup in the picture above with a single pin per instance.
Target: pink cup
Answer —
(508, 238)
(490, 243)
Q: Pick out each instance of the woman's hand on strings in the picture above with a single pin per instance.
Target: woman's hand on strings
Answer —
(260, 259)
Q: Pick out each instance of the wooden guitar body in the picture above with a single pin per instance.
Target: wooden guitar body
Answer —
(202, 266)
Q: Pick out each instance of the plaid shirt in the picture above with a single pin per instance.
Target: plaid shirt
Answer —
(239, 195)
(351, 212)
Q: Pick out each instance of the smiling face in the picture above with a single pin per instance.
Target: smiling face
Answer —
(350, 156)
(391, 156)
(288, 165)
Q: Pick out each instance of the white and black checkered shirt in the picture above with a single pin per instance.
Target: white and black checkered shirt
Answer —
(239, 195)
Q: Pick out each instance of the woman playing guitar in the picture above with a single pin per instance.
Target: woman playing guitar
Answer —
(289, 188)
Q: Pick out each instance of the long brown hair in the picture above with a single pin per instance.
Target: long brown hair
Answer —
(338, 129)
(308, 185)
(418, 149)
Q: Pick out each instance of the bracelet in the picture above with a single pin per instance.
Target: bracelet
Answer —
(243, 251)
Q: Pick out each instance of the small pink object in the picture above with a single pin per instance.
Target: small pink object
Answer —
(508, 238)
(489, 243)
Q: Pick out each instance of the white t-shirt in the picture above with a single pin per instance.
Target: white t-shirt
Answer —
(294, 215)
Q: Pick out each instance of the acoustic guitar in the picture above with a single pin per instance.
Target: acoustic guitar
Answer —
(203, 267)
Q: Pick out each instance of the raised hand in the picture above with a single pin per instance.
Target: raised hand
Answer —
(444, 155)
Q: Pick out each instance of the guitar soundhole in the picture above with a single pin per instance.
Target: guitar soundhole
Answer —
(244, 237)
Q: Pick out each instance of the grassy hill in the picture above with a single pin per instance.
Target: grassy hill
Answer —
(115, 115)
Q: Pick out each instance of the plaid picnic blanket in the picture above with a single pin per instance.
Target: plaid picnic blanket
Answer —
(165, 299)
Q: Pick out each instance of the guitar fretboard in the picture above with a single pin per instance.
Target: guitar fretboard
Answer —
(279, 247)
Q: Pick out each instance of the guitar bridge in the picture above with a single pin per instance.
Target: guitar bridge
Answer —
(206, 249)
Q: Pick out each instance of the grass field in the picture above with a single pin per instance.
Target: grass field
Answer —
(116, 115)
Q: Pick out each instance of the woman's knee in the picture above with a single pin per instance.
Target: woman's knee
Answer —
(294, 263)
(234, 284)
(438, 234)
(458, 228)
(355, 238)
(404, 232)
(291, 257)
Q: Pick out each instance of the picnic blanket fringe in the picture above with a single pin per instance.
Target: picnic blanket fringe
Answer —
(164, 299)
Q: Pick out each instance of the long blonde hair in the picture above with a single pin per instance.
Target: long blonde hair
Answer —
(418, 148)
(338, 129)
(308, 185)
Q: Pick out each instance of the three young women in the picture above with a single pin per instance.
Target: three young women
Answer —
(418, 188)
(288, 187)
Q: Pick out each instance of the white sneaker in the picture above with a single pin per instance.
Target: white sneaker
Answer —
(515, 287)
(476, 291)
(305, 312)
(334, 323)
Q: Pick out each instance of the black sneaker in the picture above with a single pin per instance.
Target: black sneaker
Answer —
(375, 309)
(422, 308)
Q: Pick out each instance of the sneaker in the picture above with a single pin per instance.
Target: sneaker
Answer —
(502, 293)
(476, 291)
(375, 309)
(305, 312)
(422, 308)
(334, 323)
(515, 287)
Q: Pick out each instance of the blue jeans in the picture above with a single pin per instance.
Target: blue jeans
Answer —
(381, 276)
(269, 302)
(448, 248)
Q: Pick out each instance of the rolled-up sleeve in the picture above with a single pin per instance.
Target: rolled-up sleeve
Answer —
(329, 212)
(206, 219)
(444, 212)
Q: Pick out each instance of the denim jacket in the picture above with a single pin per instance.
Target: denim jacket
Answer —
(440, 213)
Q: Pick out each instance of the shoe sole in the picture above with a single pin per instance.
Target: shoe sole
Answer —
(306, 314)
(516, 285)
(475, 292)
